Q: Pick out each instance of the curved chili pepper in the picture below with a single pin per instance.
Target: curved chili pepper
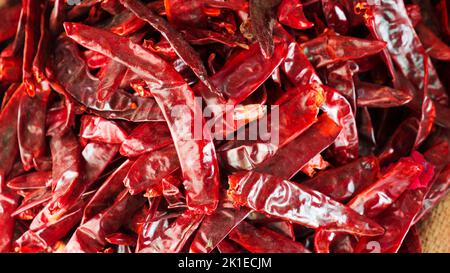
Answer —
(261, 192)
(321, 51)
(373, 95)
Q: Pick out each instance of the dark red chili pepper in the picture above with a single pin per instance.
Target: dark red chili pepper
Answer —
(290, 13)
(150, 169)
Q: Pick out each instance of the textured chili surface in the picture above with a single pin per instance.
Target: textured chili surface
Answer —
(126, 126)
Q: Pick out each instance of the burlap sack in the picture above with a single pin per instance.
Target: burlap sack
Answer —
(435, 229)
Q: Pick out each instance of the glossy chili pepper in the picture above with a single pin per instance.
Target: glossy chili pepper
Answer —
(290, 13)
(145, 138)
(261, 192)
(150, 169)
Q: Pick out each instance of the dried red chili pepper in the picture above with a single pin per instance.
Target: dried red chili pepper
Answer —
(262, 187)
(106, 148)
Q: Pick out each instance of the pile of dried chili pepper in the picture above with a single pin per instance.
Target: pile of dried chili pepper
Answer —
(100, 101)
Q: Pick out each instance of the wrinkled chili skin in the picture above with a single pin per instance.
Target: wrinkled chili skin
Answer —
(129, 126)
(264, 193)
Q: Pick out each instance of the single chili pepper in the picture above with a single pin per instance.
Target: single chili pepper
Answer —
(290, 13)
(345, 148)
(402, 41)
(261, 240)
(321, 51)
(244, 72)
(199, 167)
(32, 181)
(373, 95)
(294, 156)
(32, 13)
(388, 188)
(145, 138)
(262, 187)
(149, 169)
